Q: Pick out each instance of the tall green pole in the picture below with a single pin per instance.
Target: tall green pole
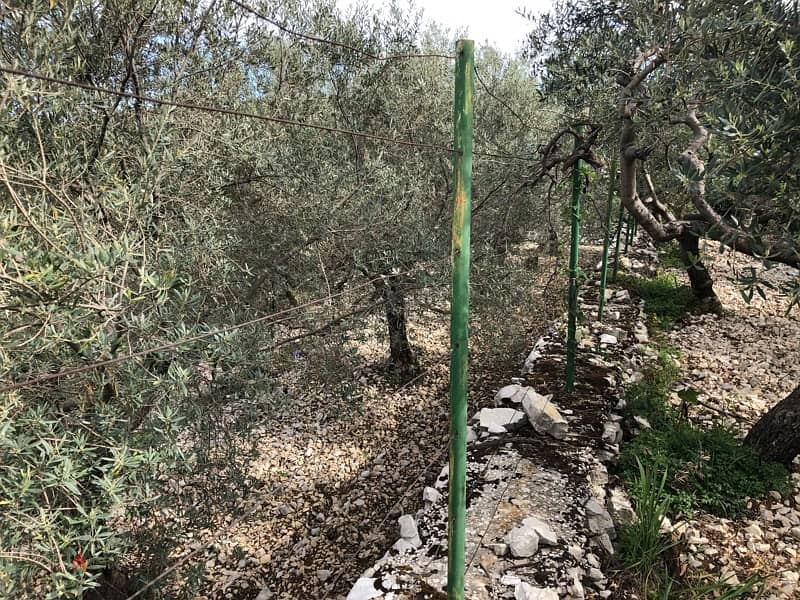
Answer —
(612, 174)
(459, 316)
(619, 235)
(572, 318)
(627, 231)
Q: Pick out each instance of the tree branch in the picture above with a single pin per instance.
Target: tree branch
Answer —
(719, 229)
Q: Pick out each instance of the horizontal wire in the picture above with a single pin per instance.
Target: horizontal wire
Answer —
(319, 40)
(237, 113)
(500, 100)
(221, 110)
(173, 345)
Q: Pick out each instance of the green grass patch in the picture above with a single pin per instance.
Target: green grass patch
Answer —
(666, 300)
(642, 545)
(647, 554)
(705, 469)
(669, 255)
(648, 397)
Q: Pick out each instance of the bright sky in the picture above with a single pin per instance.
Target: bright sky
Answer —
(494, 20)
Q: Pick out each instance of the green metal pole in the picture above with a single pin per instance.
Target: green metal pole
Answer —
(612, 174)
(627, 231)
(619, 235)
(459, 316)
(573, 271)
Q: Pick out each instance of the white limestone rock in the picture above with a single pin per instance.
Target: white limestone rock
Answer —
(471, 435)
(619, 507)
(534, 355)
(408, 527)
(525, 591)
(546, 534)
(522, 541)
(617, 332)
(544, 415)
(513, 392)
(575, 589)
(612, 433)
(364, 589)
(500, 420)
(431, 495)
(408, 533)
(403, 546)
(598, 519)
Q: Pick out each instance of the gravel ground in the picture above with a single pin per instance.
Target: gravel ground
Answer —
(744, 362)
(337, 466)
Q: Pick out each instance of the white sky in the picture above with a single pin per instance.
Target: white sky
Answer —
(494, 20)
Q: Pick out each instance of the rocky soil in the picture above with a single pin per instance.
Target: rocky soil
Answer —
(338, 465)
(743, 362)
(541, 528)
(351, 493)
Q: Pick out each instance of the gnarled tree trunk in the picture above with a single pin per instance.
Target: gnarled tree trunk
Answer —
(776, 436)
(699, 277)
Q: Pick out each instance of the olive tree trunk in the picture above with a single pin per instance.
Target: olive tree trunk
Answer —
(401, 356)
(699, 277)
(776, 436)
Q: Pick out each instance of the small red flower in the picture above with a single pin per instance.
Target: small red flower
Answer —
(79, 562)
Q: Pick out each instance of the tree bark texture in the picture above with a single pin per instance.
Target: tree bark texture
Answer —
(699, 277)
(776, 436)
(401, 355)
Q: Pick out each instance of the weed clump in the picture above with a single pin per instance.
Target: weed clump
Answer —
(665, 299)
(706, 469)
(649, 553)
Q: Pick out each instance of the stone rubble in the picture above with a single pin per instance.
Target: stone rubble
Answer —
(535, 508)
(553, 512)
(544, 415)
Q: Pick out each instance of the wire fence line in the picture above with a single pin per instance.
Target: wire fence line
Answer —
(237, 113)
(334, 43)
(266, 319)
(206, 108)
(270, 319)
(221, 110)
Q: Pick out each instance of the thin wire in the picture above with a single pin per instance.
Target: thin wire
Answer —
(221, 110)
(494, 510)
(502, 102)
(516, 157)
(319, 40)
(172, 345)
(237, 113)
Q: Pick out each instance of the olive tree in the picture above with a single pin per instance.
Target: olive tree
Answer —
(703, 94)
